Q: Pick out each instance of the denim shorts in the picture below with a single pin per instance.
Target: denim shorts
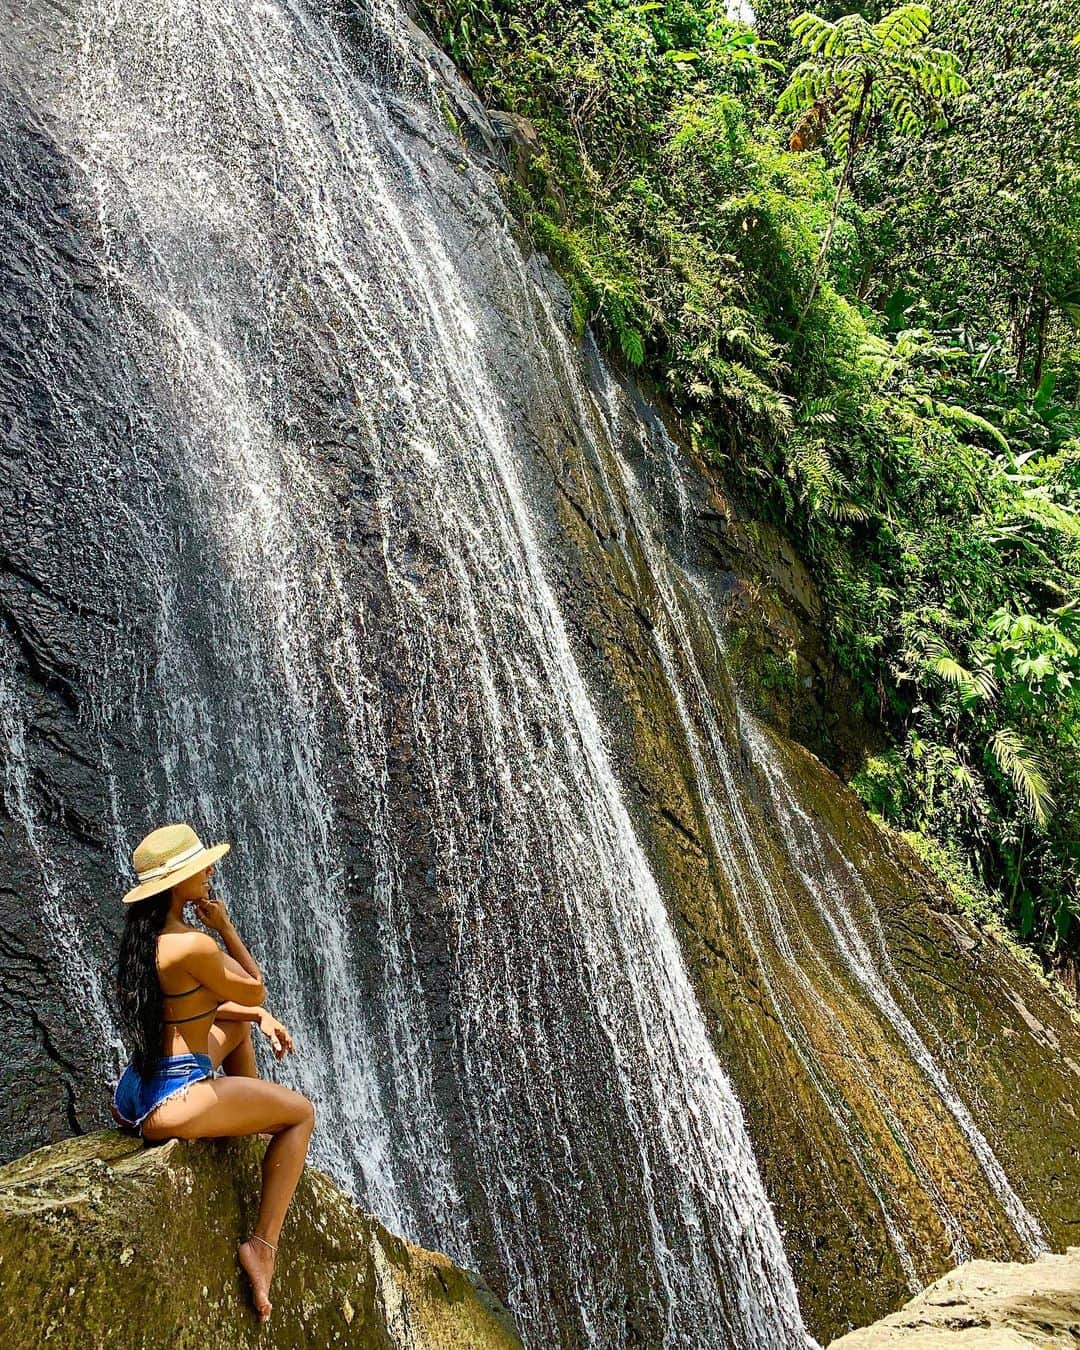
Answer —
(135, 1097)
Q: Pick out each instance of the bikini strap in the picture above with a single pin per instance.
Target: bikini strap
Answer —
(193, 990)
(176, 1021)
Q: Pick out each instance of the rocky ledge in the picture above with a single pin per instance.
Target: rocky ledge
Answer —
(985, 1305)
(106, 1242)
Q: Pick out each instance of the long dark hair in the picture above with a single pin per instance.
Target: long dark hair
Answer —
(137, 986)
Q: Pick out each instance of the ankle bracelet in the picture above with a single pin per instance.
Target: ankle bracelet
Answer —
(256, 1238)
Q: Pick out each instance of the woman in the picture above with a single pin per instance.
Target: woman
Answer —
(187, 1009)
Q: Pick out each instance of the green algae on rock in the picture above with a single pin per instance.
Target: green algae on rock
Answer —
(106, 1242)
(985, 1305)
(908, 1085)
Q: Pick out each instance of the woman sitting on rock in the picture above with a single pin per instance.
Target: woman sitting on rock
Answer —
(187, 1009)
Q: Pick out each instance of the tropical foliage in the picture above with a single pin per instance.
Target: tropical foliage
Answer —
(860, 77)
(846, 245)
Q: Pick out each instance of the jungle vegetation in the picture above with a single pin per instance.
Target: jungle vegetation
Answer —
(846, 246)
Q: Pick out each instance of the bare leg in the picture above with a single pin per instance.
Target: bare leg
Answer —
(234, 1106)
(283, 1164)
(229, 1044)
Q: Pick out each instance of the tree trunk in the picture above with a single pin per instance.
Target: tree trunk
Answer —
(845, 179)
(1040, 346)
(1023, 327)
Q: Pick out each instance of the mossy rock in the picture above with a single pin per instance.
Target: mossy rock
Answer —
(894, 1062)
(107, 1242)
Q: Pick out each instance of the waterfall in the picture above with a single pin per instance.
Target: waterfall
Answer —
(345, 654)
(78, 968)
(828, 879)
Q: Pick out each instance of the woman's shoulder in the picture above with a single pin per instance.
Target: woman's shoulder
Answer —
(174, 946)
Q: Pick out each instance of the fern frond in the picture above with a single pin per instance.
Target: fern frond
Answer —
(632, 345)
(905, 116)
(954, 413)
(904, 27)
(1034, 506)
(809, 83)
(812, 31)
(852, 34)
(937, 73)
(848, 510)
(842, 127)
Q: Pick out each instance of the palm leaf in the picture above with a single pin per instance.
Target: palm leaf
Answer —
(974, 684)
(1025, 768)
(847, 510)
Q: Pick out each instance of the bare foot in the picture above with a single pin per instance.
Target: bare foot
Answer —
(258, 1263)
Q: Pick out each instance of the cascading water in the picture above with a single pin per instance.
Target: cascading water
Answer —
(827, 878)
(432, 856)
(77, 966)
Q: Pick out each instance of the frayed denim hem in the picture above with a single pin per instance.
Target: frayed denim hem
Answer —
(135, 1099)
(181, 1091)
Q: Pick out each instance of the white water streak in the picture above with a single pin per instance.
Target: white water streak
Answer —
(805, 846)
(268, 244)
(79, 971)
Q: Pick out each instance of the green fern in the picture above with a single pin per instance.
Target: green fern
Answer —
(632, 345)
(859, 74)
(969, 419)
(904, 27)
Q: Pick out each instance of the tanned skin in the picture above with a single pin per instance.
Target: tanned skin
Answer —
(241, 1102)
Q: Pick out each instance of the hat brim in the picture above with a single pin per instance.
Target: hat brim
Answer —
(199, 863)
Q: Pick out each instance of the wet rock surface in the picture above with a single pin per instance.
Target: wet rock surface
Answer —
(986, 1305)
(67, 592)
(140, 674)
(104, 1242)
(854, 1008)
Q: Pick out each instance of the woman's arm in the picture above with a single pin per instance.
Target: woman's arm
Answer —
(233, 975)
(214, 914)
(277, 1033)
(237, 1012)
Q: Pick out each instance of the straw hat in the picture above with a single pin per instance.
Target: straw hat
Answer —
(167, 856)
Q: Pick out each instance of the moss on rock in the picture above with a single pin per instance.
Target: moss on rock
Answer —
(888, 1055)
(104, 1241)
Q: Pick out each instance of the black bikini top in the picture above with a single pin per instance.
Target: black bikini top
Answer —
(175, 1021)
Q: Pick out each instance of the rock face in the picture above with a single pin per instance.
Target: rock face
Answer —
(105, 1242)
(259, 566)
(857, 1012)
(986, 1305)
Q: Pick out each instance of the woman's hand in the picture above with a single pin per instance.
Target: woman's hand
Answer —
(212, 913)
(278, 1034)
